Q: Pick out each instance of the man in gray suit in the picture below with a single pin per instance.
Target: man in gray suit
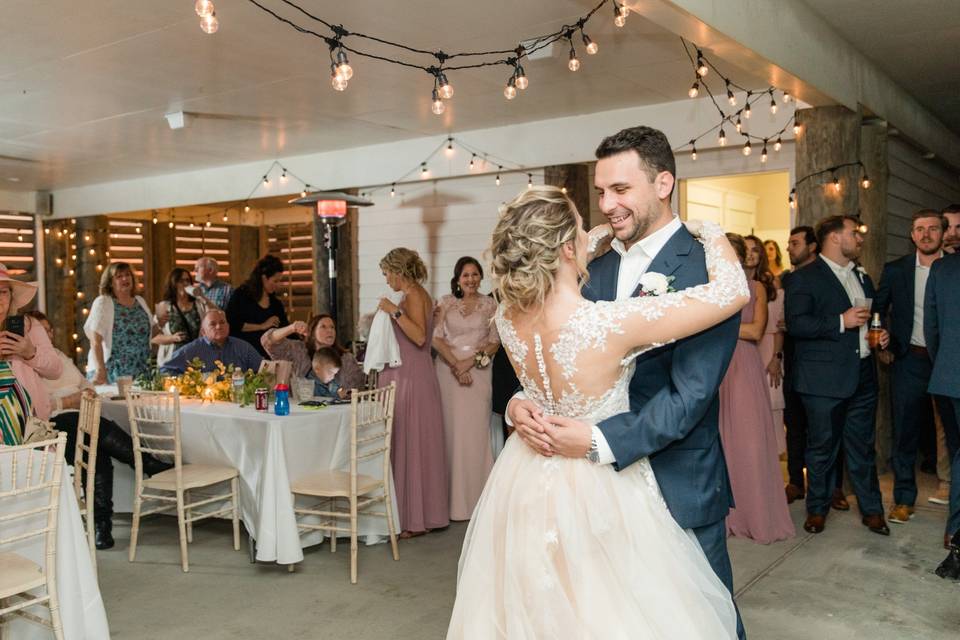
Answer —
(941, 327)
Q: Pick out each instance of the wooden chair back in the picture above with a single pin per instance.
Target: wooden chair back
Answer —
(155, 429)
(371, 429)
(85, 462)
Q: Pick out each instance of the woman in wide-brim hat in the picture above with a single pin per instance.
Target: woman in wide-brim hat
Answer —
(23, 361)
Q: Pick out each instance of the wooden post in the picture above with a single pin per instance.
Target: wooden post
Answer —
(244, 252)
(60, 287)
(92, 244)
(575, 178)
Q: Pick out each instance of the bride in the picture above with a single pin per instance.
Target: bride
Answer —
(560, 547)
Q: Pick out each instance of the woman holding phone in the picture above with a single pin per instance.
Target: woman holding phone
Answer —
(178, 314)
(26, 356)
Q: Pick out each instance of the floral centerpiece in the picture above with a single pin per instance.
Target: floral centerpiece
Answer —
(208, 386)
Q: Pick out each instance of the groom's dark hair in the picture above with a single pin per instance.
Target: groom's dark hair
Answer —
(650, 144)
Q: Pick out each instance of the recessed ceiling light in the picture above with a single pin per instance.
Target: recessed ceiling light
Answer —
(13, 179)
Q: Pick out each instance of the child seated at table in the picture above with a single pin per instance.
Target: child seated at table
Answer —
(326, 364)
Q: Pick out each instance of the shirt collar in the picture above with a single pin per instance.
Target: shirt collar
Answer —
(837, 268)
(653, 243)
(917, 258)
(210, 343)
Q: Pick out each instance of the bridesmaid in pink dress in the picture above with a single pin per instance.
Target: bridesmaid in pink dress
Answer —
(464, 329)
(746, 429)
(417, 449)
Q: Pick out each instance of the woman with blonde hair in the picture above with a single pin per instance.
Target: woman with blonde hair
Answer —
(417, 450)
(563, 547)
(119, 328)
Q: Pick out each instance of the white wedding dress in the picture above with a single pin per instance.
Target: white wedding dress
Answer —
(562, 548)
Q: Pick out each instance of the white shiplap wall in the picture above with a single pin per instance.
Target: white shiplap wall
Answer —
(442, 220)
(914, 184)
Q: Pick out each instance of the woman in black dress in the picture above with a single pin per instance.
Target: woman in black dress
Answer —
(254, 308)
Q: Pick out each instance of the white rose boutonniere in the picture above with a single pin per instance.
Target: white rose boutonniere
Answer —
(655, 284)
(861, 273)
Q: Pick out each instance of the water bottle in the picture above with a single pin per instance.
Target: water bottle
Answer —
(237, 381)
(281, 402)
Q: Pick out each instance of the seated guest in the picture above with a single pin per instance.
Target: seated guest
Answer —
(254, 307)
(64, 391)
(320, 332)
(326, 365)
(214, 344)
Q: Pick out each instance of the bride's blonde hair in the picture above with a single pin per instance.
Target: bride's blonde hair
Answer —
(525, 250)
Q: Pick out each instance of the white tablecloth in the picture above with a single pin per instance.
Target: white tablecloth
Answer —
(269, 451)
(81, 607)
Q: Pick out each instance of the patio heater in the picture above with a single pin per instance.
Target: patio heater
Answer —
(331, 208)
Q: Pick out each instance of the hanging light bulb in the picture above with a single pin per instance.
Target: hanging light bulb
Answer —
(773, 103)
(446, 89)
(694, 90)
(424, 172)
(732, 99)
(573, 64)
(393, 190)
(836, 183)
(283, 175)
(786, 97)
(620, 13)
(203, 8)
(746, 107)
(246, 208)
(747, 148)
(225, 218)
(722, 138)
(763, 152)
(510, 91)
(155, 219)
(71, 272)
(778, 144)
(449, 150)
(529, 181)
(739, 124)
(170, 224)
(59, 262)
(589, 44)
(99, 267)
(19, 237)
(521, 78)
(793, 198)
(865, 181)
(209, 24)
(437, 107)
(472, 158)
(498, 179)
(702, 68)
(337, 81)
(693, 152)
(47, 231)
(796, 128)
(138, 230)
(343, 64)
(209, 224)
(266, 181)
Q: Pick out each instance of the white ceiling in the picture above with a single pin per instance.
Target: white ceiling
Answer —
(914, 42)
(84, 86)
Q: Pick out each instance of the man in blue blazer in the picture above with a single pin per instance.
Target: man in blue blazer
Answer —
(900, 294)
(941, 328)
(834, 371)
(674, 417)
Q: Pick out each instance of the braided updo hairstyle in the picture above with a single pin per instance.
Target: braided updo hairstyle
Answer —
(405, 262)
(525, 250)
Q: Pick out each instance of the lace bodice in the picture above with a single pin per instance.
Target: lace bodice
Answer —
(585, 337)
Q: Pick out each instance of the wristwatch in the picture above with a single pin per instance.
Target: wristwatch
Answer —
(396, 314)
(593, 453)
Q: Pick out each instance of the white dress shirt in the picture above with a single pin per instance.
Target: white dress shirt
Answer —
(850, 280)
(920, 275)
(635, 261)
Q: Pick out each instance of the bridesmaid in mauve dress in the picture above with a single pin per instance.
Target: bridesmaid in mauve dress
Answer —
(464, 328)
(746, 429)
(770, 346)
(417, 449)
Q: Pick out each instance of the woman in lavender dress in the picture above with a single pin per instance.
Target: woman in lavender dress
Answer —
(746, 429)
(417, 449)
(464, 329)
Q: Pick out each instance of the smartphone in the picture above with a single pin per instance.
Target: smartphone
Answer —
(14, 324)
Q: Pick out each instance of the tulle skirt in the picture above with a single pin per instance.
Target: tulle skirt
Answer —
(563, 548)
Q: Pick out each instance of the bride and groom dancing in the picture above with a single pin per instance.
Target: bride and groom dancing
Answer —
(604, 515)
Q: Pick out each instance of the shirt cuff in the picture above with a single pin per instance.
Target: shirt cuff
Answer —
(519, 395)
(603, 449)
(841, 323)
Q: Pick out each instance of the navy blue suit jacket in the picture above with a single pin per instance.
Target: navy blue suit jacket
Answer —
(895, 296)
(826, 362)
(941, 325)
(674, 408)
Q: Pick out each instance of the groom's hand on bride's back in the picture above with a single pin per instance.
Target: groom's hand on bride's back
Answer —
(530, 425)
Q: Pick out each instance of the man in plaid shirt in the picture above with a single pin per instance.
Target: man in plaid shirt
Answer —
(216, 291)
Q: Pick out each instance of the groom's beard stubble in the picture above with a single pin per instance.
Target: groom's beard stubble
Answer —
(644, 221)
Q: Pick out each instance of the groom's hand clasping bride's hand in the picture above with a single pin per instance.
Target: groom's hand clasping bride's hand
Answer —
(530, 425)
(568, 437)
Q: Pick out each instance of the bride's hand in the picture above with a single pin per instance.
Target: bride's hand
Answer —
(694, 227)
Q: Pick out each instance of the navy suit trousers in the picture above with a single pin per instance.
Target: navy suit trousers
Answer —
(850, 423)
(713, 541)
(912, 408)
(950, 415)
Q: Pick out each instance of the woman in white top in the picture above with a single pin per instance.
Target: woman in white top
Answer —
(113, 441)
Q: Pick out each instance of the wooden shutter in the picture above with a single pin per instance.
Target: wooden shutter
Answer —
(293, 244)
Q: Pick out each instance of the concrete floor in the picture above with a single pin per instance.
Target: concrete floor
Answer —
(845, 583)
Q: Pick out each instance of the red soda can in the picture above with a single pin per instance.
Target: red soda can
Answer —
(261, 399)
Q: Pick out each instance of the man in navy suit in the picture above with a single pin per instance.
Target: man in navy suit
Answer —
(900, 294)
(674, 417)
(834, 371)
(941, 328)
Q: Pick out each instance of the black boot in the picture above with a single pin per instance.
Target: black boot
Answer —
(116, 443)
(103, 506)
(950, 567)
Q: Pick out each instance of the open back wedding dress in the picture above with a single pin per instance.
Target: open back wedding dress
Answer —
(562, 548)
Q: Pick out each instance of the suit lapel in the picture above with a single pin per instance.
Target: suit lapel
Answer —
(604, 272)
(909, 273)
(671, 256)
(834, 280)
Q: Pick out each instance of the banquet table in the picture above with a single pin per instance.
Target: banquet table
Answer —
(81, 606)
(269, 451)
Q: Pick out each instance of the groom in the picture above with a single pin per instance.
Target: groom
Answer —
(674, 408)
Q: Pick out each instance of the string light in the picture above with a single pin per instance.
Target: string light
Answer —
(732, 99)
(337, 81)
(693, 152)
(424, 172)
(746, 107)
(446, 89)
(47, 231)
(59, 262)
(393, 190)
(589, 45)
(574, 63)
(529, 181)
(203, 8)
(793, 198)
(472, 158)
(694, 90)
(225, 218)
(739, 125)
(499, 169)
(510, 91)
(722, 138)
(778, 144)
(796, 128)
(747, 148)
(266, 181)
(702, 68)
(246, 208)
(343, 65)
(620, 13)
(786, 97)
(283, 176)
(521, 79)
(449, 150)
(763, 152)
(836, 183)
(209, 24)
(155, 219)
(865, 181)
(437, 107)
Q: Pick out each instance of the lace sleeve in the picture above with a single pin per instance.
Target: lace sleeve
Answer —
(440, 316)
(639, 324)
(489, 311)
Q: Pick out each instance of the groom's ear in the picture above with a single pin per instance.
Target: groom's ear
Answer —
(663, 184)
